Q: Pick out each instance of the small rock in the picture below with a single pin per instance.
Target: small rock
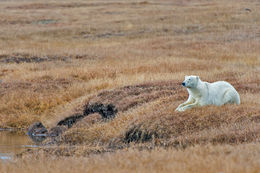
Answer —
(37, 132)
(247, 9)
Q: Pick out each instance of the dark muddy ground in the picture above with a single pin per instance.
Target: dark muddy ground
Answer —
(39, 133)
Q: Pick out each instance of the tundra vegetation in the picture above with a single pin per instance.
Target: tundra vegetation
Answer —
(58, 57)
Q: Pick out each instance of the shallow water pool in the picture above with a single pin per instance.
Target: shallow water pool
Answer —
(12, 143)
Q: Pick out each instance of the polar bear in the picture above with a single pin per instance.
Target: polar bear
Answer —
(204, 93)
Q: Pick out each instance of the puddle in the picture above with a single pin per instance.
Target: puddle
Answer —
(12, 143)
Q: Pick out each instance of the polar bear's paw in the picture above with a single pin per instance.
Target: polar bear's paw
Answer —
(179, 109)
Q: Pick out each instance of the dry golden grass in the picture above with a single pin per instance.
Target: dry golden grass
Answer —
(207, 159)
(56, 56)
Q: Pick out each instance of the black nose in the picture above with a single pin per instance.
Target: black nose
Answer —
(183, 84)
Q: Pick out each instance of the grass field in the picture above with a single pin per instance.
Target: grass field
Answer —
(56, 56)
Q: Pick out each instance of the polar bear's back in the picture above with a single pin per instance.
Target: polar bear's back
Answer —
(222, 92)
(221, 85)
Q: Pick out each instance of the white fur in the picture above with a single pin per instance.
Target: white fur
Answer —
(204, 93)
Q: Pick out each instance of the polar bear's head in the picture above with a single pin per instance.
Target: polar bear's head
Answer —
(190, 81)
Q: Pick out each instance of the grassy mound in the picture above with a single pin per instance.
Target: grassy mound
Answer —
(146, 115)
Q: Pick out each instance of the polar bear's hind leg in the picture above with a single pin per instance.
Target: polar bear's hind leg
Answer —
(231, 96)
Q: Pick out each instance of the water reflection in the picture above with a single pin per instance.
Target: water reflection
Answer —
(12, 143)
(6, 157)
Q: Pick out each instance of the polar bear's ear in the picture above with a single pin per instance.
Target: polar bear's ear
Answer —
(197, 77)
